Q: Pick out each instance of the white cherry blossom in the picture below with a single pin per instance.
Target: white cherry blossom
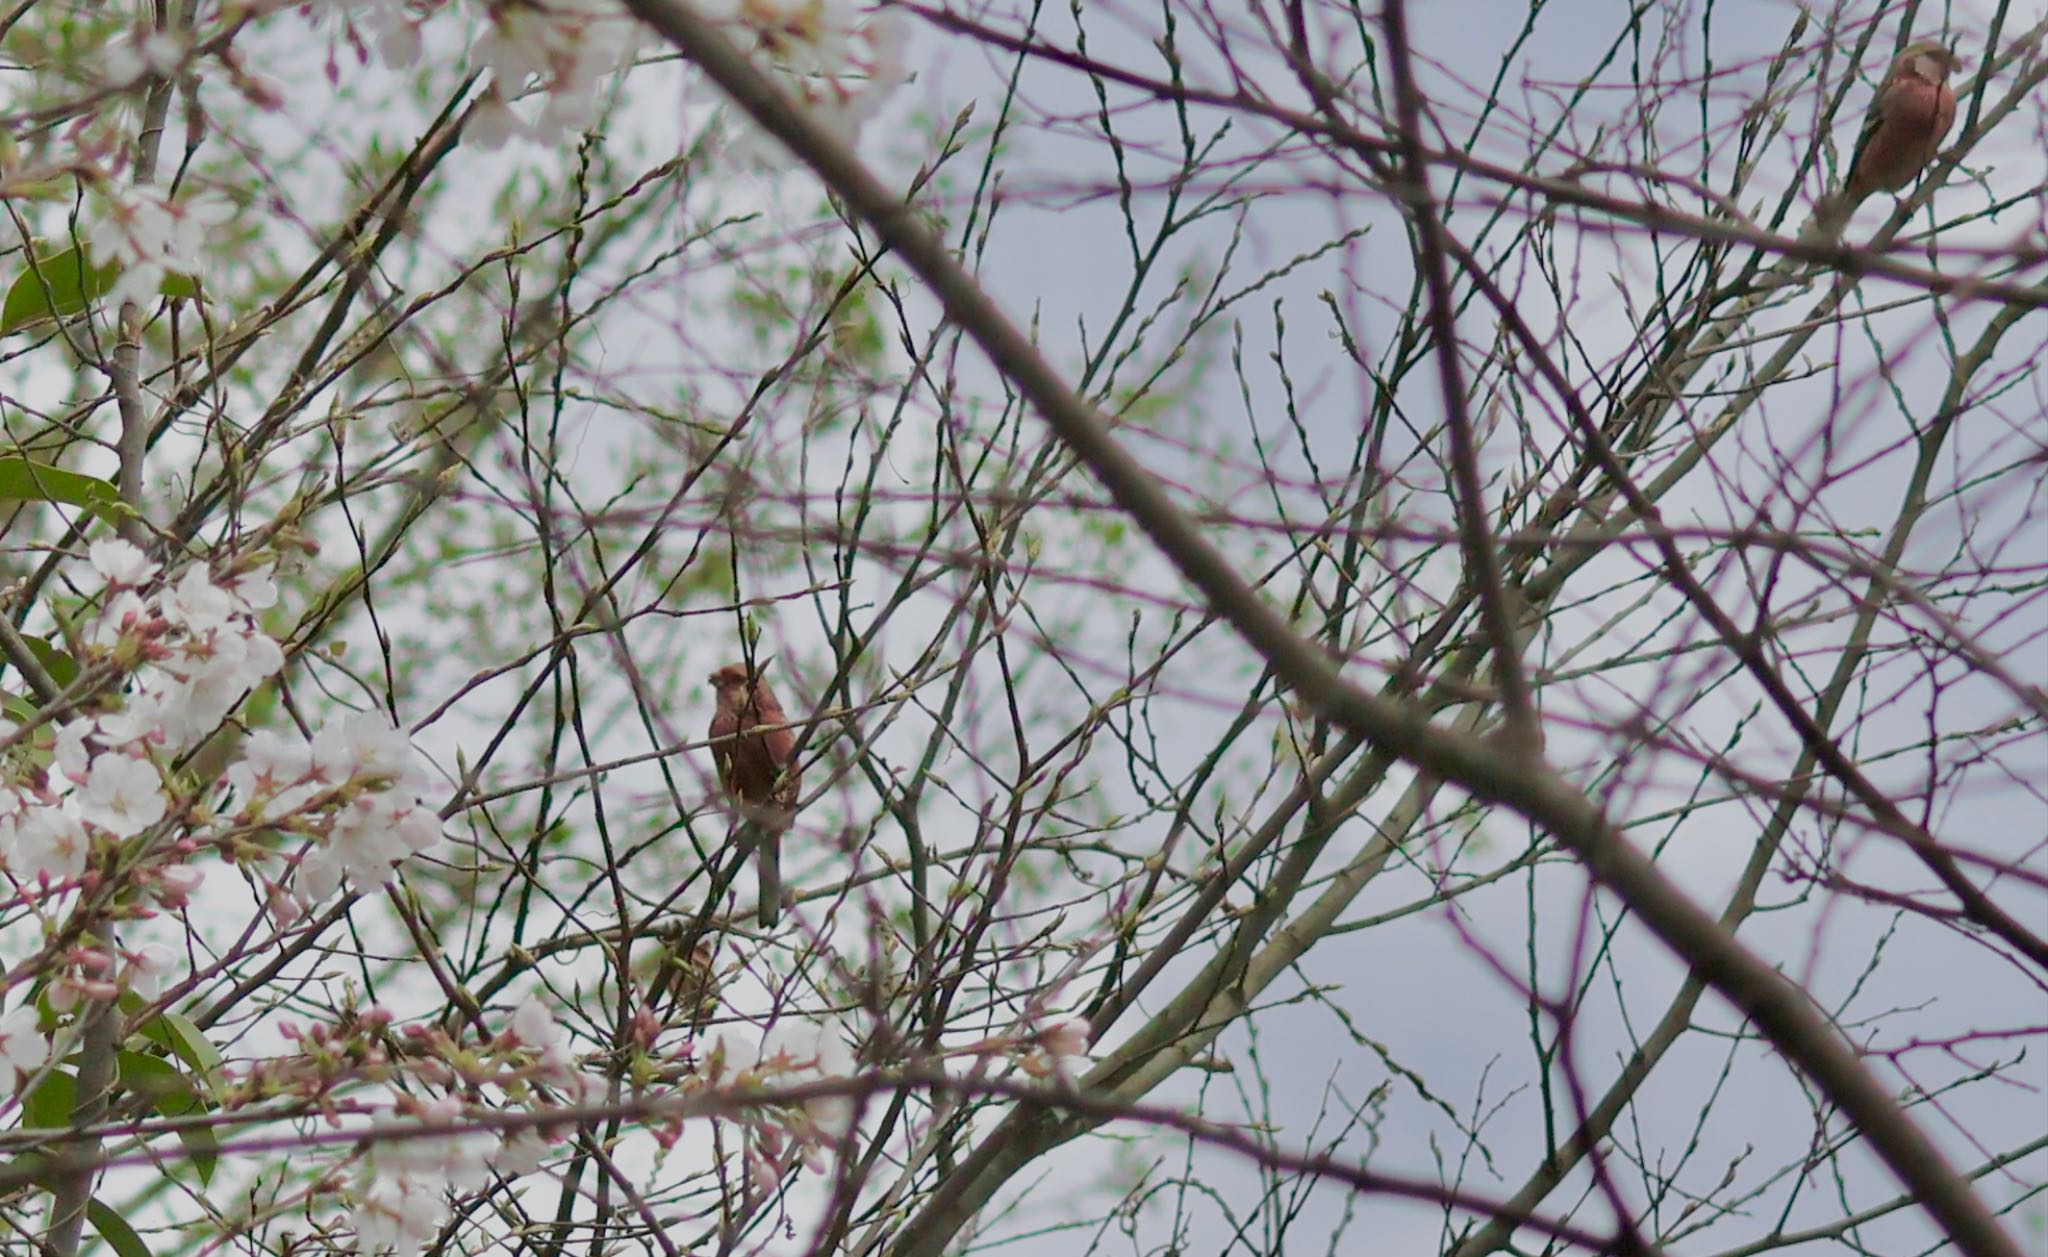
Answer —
(121, 562)
(22, 1044)
(122, 795)
(561, 50)
(836, 63)
(519, 1152)
(376, 748)
(148, 236)
(797, 1050)
(50, 843)
(402, 1190)
(253, 591)
(397, 1214)
(533, 1025)
(72, 755)
(141, 720)
(142, 54)
(274, 776)
(121, 612)
(196, 603)
(145, 968)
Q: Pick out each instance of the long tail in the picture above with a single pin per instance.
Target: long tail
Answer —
(768, 852)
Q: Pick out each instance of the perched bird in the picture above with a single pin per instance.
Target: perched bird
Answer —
(680, 984)
(758, 770)
(1910, 115)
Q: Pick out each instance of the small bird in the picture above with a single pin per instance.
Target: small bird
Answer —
(679, 984)
(1909, 117)
(758, 770)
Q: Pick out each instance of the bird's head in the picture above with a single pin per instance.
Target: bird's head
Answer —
(1929, 59)
(734, 679)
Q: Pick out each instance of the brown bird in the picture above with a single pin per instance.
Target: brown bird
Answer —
(679, 984)
(758, 770)
(1909, 117)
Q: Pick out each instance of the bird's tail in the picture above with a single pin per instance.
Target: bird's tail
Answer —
(768, 858)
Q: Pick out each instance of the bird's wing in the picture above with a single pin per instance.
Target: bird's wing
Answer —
(723, 726)
(1872, 123)
(780, 748)
(773, 753)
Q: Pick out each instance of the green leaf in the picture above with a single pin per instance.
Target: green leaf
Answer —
(177, 1033)
(63, 669)
(26, 480)
(174, 1095)
(49, 1106)
(60, 284)
(204, 1146)
(31, 1167)
(66, 283)
(114, 1229)
(156, 1080)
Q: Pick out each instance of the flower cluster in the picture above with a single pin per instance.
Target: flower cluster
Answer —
(834, 60)
(195, 644)
(392, 25)
(148, 235)
(794, 1051)
(145, 52)
(194, 650)
(401, 1188)
(191, 649)
(357, 787)
(560, 50)
(399, 1196)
